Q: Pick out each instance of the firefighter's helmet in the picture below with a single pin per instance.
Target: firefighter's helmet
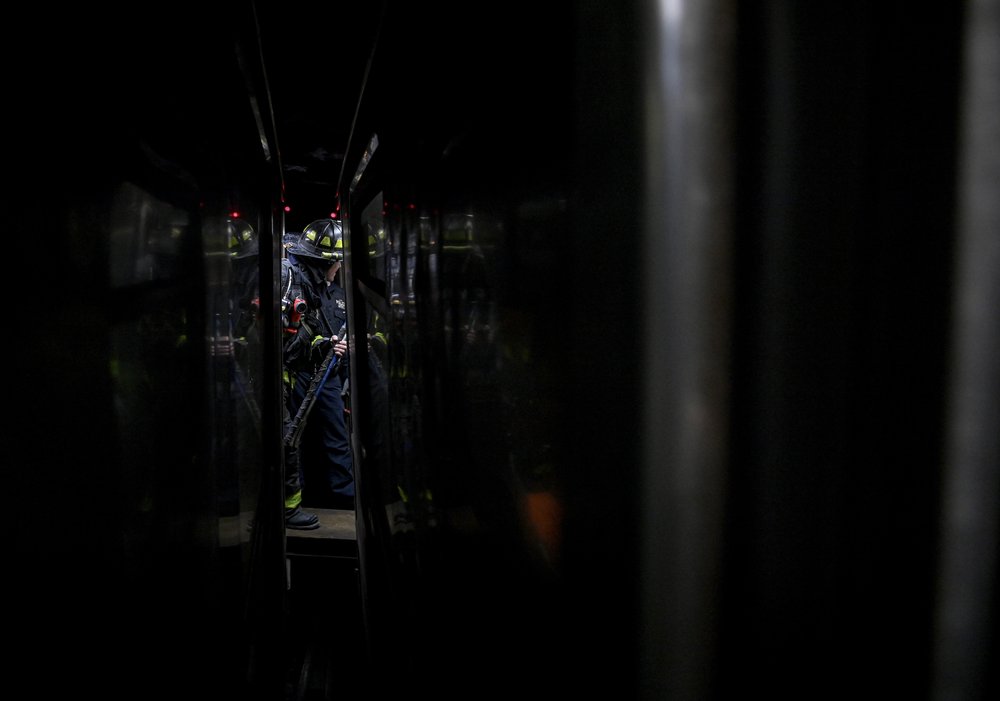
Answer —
(242, 239)
(376, 241)
(321, 240)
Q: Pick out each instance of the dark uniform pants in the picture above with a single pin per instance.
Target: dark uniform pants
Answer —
(325, 451)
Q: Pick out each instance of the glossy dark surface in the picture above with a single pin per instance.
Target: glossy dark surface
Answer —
(142, 457)
(496, 541)
(661, 410)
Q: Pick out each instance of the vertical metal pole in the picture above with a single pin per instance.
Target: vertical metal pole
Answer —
(966, 621)
(688, 94)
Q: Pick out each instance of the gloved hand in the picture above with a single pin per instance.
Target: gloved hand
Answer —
(320, 348)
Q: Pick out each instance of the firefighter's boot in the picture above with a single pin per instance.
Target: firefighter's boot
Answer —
(300, 520)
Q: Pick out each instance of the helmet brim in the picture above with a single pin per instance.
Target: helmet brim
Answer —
(302, 252)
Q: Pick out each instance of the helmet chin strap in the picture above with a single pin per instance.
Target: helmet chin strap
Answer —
(331, 272)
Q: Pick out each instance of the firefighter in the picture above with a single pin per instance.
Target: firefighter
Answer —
(294, 334)
(243, 251)
(327, 464)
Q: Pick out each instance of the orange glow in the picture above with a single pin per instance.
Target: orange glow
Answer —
(544, 513)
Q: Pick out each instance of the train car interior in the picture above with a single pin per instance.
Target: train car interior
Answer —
(674, 355)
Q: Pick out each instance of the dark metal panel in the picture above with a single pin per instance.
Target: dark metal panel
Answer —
(142, 412)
